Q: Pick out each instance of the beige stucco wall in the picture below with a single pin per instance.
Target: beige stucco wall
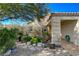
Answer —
(67, 28)
(55, 31)
(70, 25)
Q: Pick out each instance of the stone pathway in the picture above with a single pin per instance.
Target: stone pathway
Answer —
(53, 52)
(72, 48)
(67, 49)
(23, 50)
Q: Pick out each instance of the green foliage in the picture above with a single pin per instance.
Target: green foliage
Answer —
(25, 11)
(36, 40)
(26, 38)
(40, 39)
(45, 33)
(7, 39)
(67, 37)
(15, 30)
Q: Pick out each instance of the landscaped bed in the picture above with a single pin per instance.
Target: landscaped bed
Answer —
(8, 38)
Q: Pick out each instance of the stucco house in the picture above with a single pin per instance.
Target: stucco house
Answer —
(59, 25)
(63, 24)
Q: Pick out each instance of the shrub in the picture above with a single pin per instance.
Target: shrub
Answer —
(67, 38)
(36, 40)
(45, 33)
(26, 38)
(40, 39)
(7, 39)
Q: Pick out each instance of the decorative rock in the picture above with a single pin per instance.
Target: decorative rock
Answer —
(28, 43)
(39, 44)
(34, 44)
(43, 44)
(52, 46)
(58, 52)
(64, 51)
(21, 44)
(13, 50)
(25, 46)
(32, 48)
(7, 53)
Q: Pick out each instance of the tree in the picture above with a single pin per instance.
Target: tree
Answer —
(27, 12)
(1, 25)
(24, 11)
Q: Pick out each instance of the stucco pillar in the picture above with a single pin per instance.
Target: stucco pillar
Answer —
(56, 31)
(76, 30)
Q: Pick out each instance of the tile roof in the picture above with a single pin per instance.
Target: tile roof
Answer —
(66, 14)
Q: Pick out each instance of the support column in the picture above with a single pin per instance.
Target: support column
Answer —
(56, 32)
(76, 35)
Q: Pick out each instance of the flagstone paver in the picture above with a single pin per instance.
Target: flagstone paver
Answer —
(67, 49)
(23, 50)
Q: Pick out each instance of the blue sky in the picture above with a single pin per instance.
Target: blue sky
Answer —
(64, 7)
(14, 21)
(54, 7)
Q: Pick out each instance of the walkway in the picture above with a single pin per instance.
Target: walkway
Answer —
(23, 50)
(67, 49)
(72, 48)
